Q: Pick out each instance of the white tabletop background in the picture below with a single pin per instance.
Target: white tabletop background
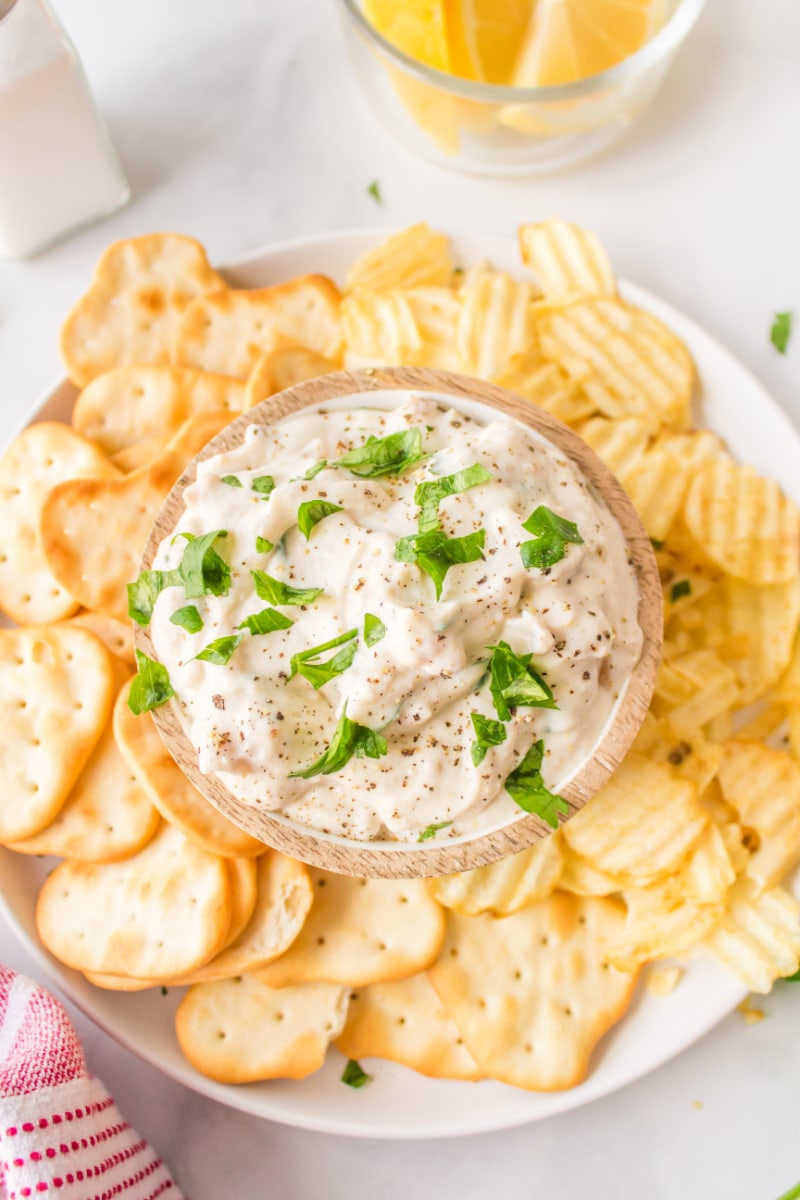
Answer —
(240, 123)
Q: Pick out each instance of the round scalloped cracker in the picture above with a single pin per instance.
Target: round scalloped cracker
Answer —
(504, 886)
(627, 362)
(38, 459)
(163, 912)
(175, 797)
(226, 332)
(282, 368)
(405, 1022)
(534, 992)
(763, 785)
(56, 691)
(744, 523)
(239, 1031)
(93, 531)
(138, 402)
(115, 635)
(566, 260)
(132, 308)
(361, 931)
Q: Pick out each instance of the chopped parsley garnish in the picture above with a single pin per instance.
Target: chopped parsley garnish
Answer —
(318, 674)
(551, 534)
(264, 485)
(374, 190)
(151, 687)
(202, 572)
(390, 455)
(792, 978)
(781, 331)
(264, 545)
(144, 591)
(374, 629)
(266, 621)
(432, 830)
(188, 618)
(231, 480)
(488, 733)
(657, 543)
(429, 495)
(276, 592)
(514, 683)
(311, 512)
(435, 553)
(220, 650)
(354, 1076)
(526, 788)
(312, 472)
(349, 739)
(682, 588)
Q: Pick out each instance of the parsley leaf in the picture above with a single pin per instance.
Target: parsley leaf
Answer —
(432, 830)
(231, 480)
(657, 543)
(203, 572)
(781, 331)
(220, 650)
(526, 788)
(349, 738)
(792, 978)
(264, 485)
(374, 190)
(429, 495)
(318, 674)
(264, 545)
(354, 1076)
(682, 588)
(188, 618)
(266, 621)
(144, 591)
(276, 592)
(151, 687)
(374, 629)
(514, 683)
(488, 733)
(312, 472)
(435, 553)
(390, 455)
(311, 512)
(552, 533)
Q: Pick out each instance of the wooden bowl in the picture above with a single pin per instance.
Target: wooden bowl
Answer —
(390, 859)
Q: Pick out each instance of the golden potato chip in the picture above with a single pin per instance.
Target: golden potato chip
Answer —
(378, 329)
(627, 362)
(436, 312)
(533, 993)
(505, 885)
(133, 307)
(239, 1031)
(659, 925)
(161, 913)
(495, 323)
(405, 1022)
(758, 938)
(139, 402)
(794, 732)
(763, 785)
(744, 523)
(282, 368)
(581, 878)
(759, 625)
(787, 690)
(415, 257)
(56, 690)
(566, 260)
(640, 825)
(657, 486)
(226, 332)
(546, 386)
(700, 686)
(690, 755)
(361, 931)
(621, 444)
(38, 459)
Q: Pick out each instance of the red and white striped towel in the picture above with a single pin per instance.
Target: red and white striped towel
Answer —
(61, 1134)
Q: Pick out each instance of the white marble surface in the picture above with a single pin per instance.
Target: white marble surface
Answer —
(241, 124)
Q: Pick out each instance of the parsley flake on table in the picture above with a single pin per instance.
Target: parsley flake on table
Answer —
(318, 674)
(781, 331)
(435, 553)
(265, 621)
(429, 494)
(150, 687)
(220, 650)
(551, 535)
(389, 455)
(231, 480)
(264, 485)
(354, 1075)
(488, 733)
(311, 512)
(514, 683)
(374, 629)
(187, 618)
(526, 788)
(432, 830)
(349, 739)
(275, 592)
(374, 190)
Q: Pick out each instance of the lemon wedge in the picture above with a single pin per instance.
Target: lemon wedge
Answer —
(417, 27)
(485, 36)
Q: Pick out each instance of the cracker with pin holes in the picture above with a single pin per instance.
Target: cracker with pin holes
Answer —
(137, 402)
(175, 797)
(282, 368)
(131, 311)
(240, 1031)
(38, 459)
(56, 692)
(533, 993)
(361, 931)
(163, 912)
(405, 1022)
(93, 531)
(115, 635)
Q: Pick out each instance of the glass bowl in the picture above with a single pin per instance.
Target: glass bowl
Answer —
(490, 129)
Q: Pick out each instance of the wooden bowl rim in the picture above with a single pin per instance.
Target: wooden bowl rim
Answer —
(387, 860)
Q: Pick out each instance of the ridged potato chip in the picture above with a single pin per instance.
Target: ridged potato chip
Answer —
(283, 368)
(660, 926)
(378, 329)
(621, 444)
(566, 260)
(436, 312)
(763, 785)
(758, 938)
(415, 257)
(503, 886)
(495, 324)
(696, 688)
(546, 386)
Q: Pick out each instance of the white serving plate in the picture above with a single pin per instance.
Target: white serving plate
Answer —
(400, 1103)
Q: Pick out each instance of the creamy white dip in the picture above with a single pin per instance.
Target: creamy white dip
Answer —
(419, 685)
